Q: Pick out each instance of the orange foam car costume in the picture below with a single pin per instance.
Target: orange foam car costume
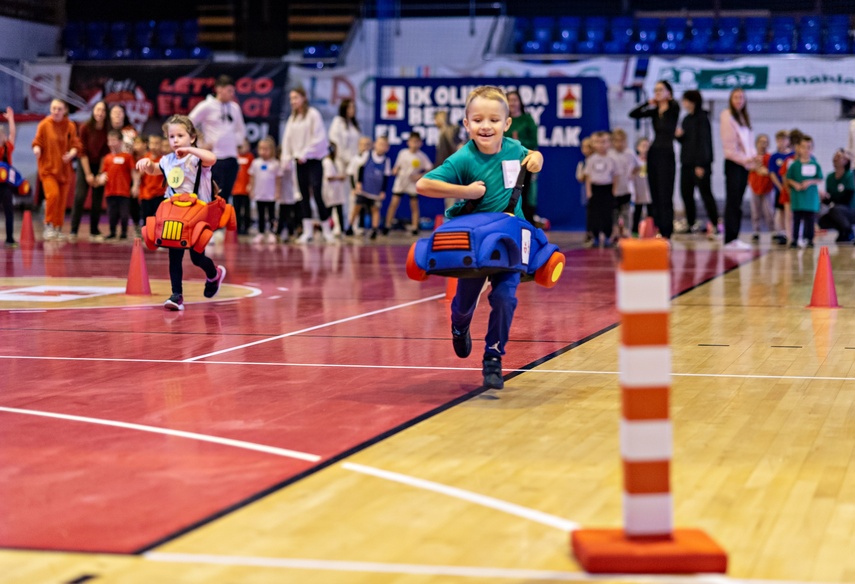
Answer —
(184, 221)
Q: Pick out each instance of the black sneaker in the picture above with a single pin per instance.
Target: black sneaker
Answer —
(213, 286)
(414, 232)
(794, 245)
(349, 232)
(11, 244)
(755, 237)
(373, 234)
(492, 370)
(175, 302)
(809, 245)
(462, 342)
(385, 231)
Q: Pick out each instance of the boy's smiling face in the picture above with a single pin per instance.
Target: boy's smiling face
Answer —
(487, 121)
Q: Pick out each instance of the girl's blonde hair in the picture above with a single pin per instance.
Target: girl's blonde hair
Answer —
(269, 141)
(488, 92)
(181, 121)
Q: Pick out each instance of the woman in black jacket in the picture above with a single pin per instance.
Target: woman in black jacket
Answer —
(696, 156)
(661, 166)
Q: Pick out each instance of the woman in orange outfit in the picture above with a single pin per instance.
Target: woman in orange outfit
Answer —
(55, 146)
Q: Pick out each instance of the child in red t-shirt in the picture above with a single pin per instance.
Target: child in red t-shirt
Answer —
(762, 189)
(7, 195)
(151, 185)
(117, 177)
(240, 192)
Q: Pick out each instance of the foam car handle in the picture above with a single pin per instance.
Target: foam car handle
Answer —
(472, 204)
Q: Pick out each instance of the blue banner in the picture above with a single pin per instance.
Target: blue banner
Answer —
(565, 109)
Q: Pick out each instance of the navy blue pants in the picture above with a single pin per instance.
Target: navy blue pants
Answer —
(503, 302)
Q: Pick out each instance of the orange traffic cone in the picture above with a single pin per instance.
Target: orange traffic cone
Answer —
(824, 293)
(27, 238)
(138, 274)
(646, 229)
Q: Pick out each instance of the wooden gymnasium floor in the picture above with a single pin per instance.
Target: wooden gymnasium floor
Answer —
(311, 424)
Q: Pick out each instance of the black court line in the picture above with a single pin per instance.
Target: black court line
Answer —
(786, 347)
(711, 345)
(384, 435)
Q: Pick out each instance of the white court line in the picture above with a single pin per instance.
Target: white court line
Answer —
(314, 328)
(166, 431)
(439, 570)
(418, 367)
(483, 500)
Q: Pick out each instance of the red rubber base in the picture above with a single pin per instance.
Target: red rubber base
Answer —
(689, 551)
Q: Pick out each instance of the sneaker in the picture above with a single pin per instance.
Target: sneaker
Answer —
(174, 303)
(258, 238)
(492, 371)
(11, 244)
(349, 232)
(213, 286)
(72, 238)
(794, 245)
(755, 237)
(110, 238)
(462, 342)
(49, 232)
(270, 238)
(305, 238)
(809, 245)
(373, 234)
(414, 232)
(385, 231)
(97, 238)
(738, 244)
(780, 239)
(123, 236)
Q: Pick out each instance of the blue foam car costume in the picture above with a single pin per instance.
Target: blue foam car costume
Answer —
(480, 244)
(10, 176)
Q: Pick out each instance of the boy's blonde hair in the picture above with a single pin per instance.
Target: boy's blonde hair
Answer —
(619, 133)
(782, 134)
(488, 92)
(181, 121)
(269, 141)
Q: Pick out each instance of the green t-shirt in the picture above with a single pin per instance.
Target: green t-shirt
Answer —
(840, 189)
(525, 129)
(808, 199)
(469, 164)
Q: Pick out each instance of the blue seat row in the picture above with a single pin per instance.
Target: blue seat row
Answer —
(321, 51)
(149, 39)
(625, 35)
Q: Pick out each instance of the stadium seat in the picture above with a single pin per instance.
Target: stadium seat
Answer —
(542, 30)
(167, 34)
(648, 29)
(781, 44)
(521, 32)
(529, 48)
(756, 32)
(97, 54)
(560, 48)
(175, 53)
(623, 30)
(122, 54)
(73, 36)
(589, 47)
(190, 33)
(700, 36)
(568, 29)
(728, 35)
(675, 36)
(96, 34)
(200, 53)
(120, 35)
(149, 53)
(144, 33)
(837, 47)
(75, 54)
(595, 29)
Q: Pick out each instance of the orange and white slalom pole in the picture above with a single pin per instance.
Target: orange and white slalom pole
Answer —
(644, 301)
(648, 543)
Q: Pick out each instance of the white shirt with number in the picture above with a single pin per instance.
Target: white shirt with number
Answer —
(264, 174)
(181, 174)
(411, 167)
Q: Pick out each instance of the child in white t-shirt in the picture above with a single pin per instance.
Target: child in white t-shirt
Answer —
(333, 188)
(265, 180)
(410, 166)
